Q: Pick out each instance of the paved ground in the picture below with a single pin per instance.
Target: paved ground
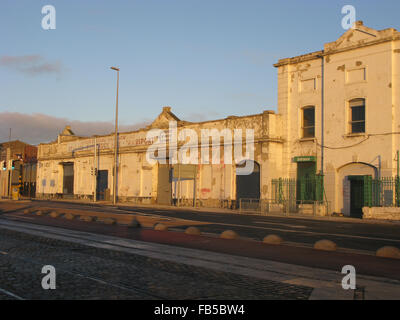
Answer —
(91, 273)
(194, 267)
(97, 266)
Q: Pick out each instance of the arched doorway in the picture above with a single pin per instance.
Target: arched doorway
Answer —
(247, 185)
(351, 193)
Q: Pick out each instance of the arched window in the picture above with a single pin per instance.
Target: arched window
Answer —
(357, 115)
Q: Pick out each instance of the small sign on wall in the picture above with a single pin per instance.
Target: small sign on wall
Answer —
(305, 159)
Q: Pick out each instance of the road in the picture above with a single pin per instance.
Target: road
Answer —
(345, 232)
(99, 261)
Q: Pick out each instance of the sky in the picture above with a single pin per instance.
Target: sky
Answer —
(206, 59)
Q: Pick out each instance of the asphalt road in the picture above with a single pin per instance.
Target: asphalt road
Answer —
(294, 254)
(345, 232)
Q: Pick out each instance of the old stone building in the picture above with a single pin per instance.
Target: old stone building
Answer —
(345, 98)
(66, 166)
(334, 138)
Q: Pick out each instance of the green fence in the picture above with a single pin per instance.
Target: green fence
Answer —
(298, 190)
(382, 192)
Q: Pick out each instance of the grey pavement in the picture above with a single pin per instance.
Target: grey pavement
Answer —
(93, 266)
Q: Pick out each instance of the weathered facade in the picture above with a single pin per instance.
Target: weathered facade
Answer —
(338, 124)
(66, 166)
(355, 81)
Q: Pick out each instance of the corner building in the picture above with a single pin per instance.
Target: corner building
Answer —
(341, 112)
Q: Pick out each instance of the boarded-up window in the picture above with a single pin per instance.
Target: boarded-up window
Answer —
(356, 75)
(146, 183)
(307, 85)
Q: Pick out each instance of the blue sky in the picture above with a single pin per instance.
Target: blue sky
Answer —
(206, 59)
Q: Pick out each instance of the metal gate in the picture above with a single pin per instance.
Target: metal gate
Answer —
(248, 186)
(102, 184)
(68, 181)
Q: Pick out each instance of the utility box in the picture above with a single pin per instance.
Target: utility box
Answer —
(15, 193)
(107, 194)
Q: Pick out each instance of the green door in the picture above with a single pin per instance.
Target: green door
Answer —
(306, 180)
(356, 196)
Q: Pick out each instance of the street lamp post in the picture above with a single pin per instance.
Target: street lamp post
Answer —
(115, 143)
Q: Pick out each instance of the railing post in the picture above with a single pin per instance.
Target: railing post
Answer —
(397, 188)
(367, 191)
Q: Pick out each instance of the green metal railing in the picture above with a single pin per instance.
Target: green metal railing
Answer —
(298, 190)
(382, 192)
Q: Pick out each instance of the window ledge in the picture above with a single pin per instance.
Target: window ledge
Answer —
(355, 82)
(355, 135)
(307, 139)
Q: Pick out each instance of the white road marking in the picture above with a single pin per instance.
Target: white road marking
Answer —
(11, 294)
(282, 224)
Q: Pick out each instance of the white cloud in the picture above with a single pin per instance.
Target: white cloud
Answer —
(31, 64)
(36, 128)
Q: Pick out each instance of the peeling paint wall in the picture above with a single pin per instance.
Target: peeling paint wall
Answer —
(137, 178)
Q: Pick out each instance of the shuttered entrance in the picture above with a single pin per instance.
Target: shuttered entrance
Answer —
(248, 186)
(68, 178)
(164, 185)
(102, 184)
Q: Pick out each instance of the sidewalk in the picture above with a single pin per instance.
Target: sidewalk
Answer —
(325, 284)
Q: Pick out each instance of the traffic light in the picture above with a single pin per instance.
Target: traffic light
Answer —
(95, 172)
(12, 164)
(4, 165)
(20, 186)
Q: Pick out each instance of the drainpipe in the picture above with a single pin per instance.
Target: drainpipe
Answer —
(322, 113)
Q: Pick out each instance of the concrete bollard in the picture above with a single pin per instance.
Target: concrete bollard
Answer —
(69, 216)
(326, 245)
(229, 234)
(272, 239)
(193, 231)
(54, 214)
(86, 218)
(388, 252)
(160, 227)
(134, 223)
(110, 221)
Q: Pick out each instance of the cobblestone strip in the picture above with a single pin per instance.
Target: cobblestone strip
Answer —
(81, 269)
